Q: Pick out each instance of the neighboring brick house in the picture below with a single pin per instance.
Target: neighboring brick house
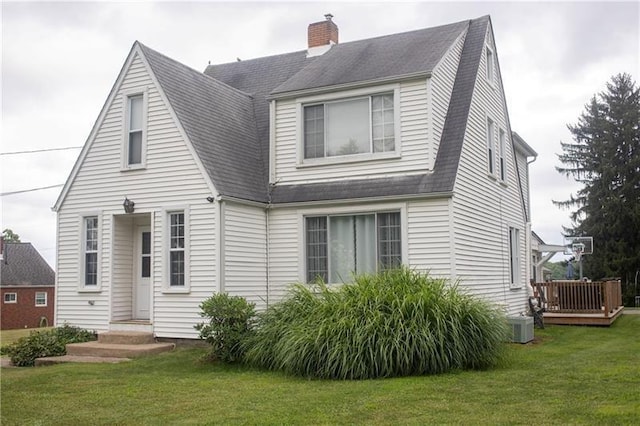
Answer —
(28, 285)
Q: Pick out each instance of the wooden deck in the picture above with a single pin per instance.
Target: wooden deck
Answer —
(580, 303)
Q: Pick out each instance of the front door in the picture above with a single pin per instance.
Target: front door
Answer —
(142, 273)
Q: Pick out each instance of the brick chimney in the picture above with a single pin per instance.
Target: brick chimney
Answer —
(323, 33)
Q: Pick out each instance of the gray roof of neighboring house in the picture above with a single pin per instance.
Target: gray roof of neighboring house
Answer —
(225, 111)
(22, 265)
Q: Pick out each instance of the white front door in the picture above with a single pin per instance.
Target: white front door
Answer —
(142, 273)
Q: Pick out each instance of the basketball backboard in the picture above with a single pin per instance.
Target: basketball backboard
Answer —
(585, 243)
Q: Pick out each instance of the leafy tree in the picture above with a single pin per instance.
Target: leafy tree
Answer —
(605, 158)
(10, 237)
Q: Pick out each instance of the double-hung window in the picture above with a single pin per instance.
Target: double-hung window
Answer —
(358, 125)
(176, 249)
(134, 129)
(490, 66)
(41, 298)
(514, 257)
(490, 141)
(503, 162)
(90, 251)
(341, 245)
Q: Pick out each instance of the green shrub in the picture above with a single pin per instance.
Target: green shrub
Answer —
(396, 323)
(228, 326)
(45, 343)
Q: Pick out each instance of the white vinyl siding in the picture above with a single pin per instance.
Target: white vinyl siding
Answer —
(430, 244)
(484, 209)
(170, 179)
(245, 254)
(11, 298)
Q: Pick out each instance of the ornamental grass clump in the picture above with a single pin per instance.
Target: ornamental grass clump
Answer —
(395, 323)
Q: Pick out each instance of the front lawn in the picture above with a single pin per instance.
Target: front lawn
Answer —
(576, 375)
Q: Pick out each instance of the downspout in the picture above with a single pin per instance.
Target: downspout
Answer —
(528, 226)
(220, 242)
(268, 250)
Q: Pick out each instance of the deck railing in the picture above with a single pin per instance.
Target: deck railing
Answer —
(596, 297)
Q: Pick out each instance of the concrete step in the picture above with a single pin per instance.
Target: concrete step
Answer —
(53, 360)
(116, 350)
(126, 337)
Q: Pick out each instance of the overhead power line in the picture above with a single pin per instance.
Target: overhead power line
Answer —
(29, 190)
(40, 150)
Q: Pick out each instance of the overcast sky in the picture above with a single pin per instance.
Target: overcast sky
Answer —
(59, 61)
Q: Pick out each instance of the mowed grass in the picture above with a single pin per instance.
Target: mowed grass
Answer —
(7, 337)
(570, 375)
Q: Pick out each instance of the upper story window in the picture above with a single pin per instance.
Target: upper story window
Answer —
(11, 298)
(501, 153)
(135, 130)
(134, 144)
(358, 125)
(490, 66)
(491, 131)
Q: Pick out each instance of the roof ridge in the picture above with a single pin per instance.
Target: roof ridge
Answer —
(193, 70)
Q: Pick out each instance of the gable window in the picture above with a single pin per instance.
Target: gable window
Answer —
(176, 249)
(359, 125)
(134, 147)
(514, 257)
(341, 245)
(490, 66)
(501, 153)
(41, 298)
(490, 142)
(11, 298)
(90, 255)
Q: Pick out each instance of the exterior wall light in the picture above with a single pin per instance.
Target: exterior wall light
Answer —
(128, 205)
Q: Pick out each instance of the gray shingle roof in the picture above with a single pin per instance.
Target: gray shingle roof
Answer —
(259, 77)
(225, 110)
(377, 58)
(220, 123)
(22, 265)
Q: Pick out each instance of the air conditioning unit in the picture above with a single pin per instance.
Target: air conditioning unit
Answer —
(522, 329)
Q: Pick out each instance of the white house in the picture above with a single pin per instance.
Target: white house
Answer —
(252, 175)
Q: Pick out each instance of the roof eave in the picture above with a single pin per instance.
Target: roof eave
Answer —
(350, 85)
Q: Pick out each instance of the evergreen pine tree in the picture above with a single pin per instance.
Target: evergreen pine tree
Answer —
(605, 158)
